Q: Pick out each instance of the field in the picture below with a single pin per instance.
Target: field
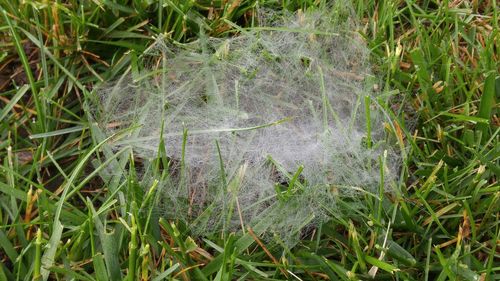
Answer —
(60, 219)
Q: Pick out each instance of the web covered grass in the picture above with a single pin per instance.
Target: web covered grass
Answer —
(274, 124)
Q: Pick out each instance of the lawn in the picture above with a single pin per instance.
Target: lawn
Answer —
(72, 208)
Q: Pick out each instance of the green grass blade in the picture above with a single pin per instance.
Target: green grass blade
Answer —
(20, 93)
(487, 103)
(27, 70)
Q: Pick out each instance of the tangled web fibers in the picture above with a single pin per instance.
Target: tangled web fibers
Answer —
(266, 129)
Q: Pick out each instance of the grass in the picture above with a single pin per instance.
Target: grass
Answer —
(440, 63)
